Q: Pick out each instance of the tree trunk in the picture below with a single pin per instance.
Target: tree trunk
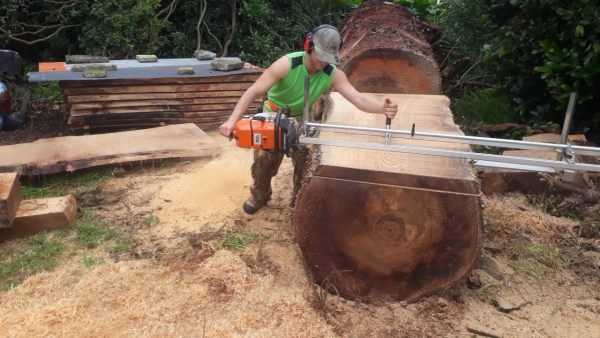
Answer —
(385, 50)
(379, 225)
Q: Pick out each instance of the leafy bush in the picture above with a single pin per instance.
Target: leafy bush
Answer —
(424, 9)
(542, 51)
(123, 28)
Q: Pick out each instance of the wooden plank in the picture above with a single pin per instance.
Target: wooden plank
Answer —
(170, 80)
(150, 109)
(152, 96)
(151, 88)
(42, 214)
(75, 121)
(143, 102)
(126, 127)
(10, 198)
(554, 138)
(506, 180)
(380, 225)
(70, 153)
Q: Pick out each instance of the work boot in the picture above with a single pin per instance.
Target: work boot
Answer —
(252, 205)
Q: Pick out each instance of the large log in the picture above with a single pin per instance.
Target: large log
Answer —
(385, 50)
(380, 225)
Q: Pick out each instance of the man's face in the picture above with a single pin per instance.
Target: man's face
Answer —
(318, 63)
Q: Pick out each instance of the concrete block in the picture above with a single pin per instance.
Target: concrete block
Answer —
(227, 64)
(146, 58)
(74, 59)
(94, 73)
(10, 198)
(185, 71)
(41, 214)
(81, 68)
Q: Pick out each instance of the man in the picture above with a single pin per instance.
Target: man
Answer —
(283, 85)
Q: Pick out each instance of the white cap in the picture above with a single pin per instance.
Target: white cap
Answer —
(327, 41)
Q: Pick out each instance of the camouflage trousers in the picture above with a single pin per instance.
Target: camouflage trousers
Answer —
(265, 167)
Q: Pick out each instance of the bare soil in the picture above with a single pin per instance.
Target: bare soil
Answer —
(177, 283)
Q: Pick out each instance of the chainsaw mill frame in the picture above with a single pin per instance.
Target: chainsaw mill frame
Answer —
(565, 165)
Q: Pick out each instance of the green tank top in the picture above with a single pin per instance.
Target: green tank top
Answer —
(289, 91)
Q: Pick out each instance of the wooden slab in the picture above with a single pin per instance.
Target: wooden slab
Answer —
(42, 214)
(501, 180)
(70, 153)
(10, 198)
(379, 225)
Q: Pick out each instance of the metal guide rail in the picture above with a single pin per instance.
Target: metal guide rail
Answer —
(523, 163)
(566, 159)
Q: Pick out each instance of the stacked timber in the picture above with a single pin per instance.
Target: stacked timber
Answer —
(106, 105)
(382, 225)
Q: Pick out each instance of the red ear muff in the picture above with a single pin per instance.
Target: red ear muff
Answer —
(307, 43)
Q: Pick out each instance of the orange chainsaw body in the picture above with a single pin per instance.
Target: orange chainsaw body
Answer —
(253, 133)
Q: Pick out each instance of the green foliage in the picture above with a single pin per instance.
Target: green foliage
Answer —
(46, 93)
(488, 106)
(467, 27)
(122, 29)
(39, 254)
(268, 30)
(542, 51)
(424, 9)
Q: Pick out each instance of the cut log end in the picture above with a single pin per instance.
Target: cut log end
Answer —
(389, 243)
(387, 71)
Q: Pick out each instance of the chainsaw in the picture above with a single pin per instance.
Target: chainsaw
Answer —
(275, 132)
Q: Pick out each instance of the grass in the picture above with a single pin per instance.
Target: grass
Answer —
(80, 182)
(237, 241)
(39, 254)
(151, 220)
(89, 262)
(534, 258)
(90, 232)
(478, 108)
(21, 259)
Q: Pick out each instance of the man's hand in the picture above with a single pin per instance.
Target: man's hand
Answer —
(227, 129)
(390, 109)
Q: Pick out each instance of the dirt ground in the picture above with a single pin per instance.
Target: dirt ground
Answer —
(175, 283)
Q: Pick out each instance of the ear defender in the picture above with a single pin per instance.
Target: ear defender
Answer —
(308, 44)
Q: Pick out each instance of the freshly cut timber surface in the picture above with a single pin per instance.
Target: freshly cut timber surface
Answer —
(378, 225)
(52, 155)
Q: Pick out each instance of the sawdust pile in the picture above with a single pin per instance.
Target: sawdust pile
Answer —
(220, 297)
(513, 213)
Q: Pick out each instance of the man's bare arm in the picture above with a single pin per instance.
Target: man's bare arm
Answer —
(276, 71)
